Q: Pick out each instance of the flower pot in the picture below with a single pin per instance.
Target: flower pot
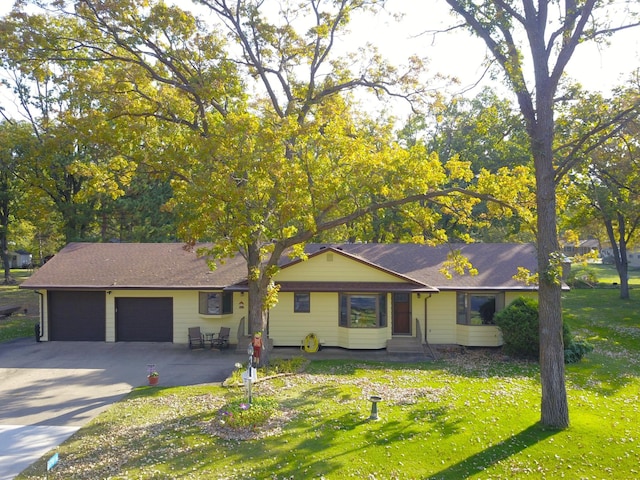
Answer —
(153, 380)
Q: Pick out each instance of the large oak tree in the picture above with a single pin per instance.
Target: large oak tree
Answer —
(263, 135)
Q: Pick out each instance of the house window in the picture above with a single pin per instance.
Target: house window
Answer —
(363, 310)
(478, 308)
(302, 302)
(216, 303)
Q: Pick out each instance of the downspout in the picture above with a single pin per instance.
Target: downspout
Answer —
(39, 328)
(426, 327)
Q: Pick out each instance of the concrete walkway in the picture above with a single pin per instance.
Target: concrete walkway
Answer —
(49, 390)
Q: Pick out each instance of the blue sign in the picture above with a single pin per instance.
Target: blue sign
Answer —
(53, 461)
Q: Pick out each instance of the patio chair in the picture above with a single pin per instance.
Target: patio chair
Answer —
(196, 338)
(221, 340)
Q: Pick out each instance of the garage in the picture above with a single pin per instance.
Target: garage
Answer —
(76, 315)
(143, 319)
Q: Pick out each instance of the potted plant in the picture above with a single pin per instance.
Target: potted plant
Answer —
(153, 377)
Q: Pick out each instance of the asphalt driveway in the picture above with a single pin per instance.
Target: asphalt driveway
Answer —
(49, 390)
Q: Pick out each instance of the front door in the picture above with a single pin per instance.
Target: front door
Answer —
(401, 314)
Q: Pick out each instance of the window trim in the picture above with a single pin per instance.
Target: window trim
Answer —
(225, 304)
(463, 304)
(344, 309)
(301, 306)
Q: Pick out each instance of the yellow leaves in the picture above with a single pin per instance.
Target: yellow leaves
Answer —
(571, 237)
(270, 300)
(298, 252)
(585, 258)
(266, 250)
(414, 170)
(289, 231)
(525, 276)
(515, 188)
(107, 178)
(457, 263)
(254, 273)
(459, 170)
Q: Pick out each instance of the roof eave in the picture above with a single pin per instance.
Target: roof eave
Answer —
(123, 287)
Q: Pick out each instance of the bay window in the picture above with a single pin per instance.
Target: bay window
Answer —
(478, 308)
(360, 310)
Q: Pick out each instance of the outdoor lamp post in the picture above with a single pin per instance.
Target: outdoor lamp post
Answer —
(249, 371)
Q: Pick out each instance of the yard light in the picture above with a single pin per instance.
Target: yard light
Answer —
(248, 375)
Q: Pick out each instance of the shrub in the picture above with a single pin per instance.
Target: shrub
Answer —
(239, 414)
(520, 331)
(577, 349)
(519, 326)
(285, 365)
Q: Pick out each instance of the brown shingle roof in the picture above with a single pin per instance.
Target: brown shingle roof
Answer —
(171, 266)
(133, 265)
(496, 263)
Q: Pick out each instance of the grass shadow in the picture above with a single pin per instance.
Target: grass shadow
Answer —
(483, 460)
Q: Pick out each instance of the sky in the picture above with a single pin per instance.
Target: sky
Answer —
(460, 55)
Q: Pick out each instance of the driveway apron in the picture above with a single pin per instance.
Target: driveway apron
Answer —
(49, 390)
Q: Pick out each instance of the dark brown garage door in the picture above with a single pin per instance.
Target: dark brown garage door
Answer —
(76, 316)
(144, 319)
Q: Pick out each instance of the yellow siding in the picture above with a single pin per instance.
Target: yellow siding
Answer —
(441, 318)
(333, 267)
(443, 329)
(288, 328)
(185, 313)
(364, 338)
(478, 336)
(418, 309)
(511, 296)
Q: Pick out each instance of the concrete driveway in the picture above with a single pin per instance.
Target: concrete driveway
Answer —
(49, 390)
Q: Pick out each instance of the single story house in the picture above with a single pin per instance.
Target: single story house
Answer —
(20, 259)
(355, 296)
(583, 247)
(633, 256)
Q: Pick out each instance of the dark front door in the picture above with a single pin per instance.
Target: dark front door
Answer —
(76, 315)
(401, 314)
(140, 319)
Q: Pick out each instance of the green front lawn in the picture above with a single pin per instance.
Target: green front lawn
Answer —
(473, 415)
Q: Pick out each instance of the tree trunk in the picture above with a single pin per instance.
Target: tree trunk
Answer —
(619, 251)
(8, 280)
(4, 244)
(258, 292)
(554, 408)
(623, 264)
